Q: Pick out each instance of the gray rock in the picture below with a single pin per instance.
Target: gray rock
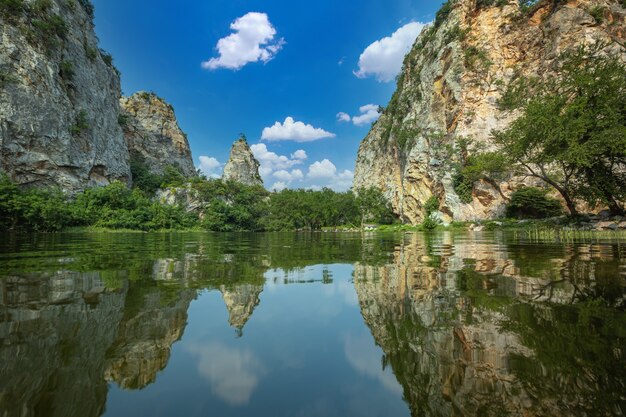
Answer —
(59, 104)
(153, 135)
(242, 166)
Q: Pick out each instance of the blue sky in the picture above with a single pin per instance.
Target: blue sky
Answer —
(308, 61)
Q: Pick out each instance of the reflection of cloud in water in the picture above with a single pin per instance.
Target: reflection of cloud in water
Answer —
(233, 373)
(365, 358)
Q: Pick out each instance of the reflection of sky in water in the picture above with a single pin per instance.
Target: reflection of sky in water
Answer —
(305, 351)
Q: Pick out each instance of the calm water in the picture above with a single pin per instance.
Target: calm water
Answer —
(311, 325)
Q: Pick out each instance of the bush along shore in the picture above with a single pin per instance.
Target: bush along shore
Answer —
(171, 202)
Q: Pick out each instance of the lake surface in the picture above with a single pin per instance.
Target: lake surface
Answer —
(194, 324)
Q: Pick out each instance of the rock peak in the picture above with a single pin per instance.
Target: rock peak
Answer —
(153, 134)
(242, 166)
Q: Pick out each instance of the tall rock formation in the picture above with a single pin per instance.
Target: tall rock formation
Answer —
(59, 98)
(448, 92)
(153, 135)
(242, 166)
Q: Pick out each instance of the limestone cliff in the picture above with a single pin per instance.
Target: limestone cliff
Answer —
(242, 166)
(59, 98)
(153, 135)
(448, 92)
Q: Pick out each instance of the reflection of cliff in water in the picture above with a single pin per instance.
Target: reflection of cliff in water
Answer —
(64, 334)
(468, 329)
(54, 334)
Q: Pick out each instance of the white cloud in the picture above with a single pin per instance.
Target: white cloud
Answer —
(383, 58)
(233, 373)
(299, 154)
(278, 186)
(210, 166)
(325, 174)
(287, 177)
(322, 169)
(271, 161)
(369, 114)
(343, 117)
(295, 131)
(252, 41)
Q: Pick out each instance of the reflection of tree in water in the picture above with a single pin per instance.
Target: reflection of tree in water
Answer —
(469, 328)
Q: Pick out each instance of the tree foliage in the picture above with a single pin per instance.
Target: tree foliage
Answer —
(221, 206)
(572, 129)
(532, 203)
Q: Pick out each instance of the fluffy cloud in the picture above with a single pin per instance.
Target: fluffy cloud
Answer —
(383, 58)
(343, 117)
(369, 113)
(278, 186)
(271, 161)
(287, 177)
(325, 174)
(322, 169)
(299, 154)
(210, 166)
(295, 131)
(252, 40)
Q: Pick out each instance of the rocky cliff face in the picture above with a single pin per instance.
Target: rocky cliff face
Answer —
(242, 166)
(448, 92)
(153, 135)
(59, 98)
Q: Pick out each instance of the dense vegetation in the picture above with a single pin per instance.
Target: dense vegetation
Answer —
(572, 129)
(532, 203)
(216, 206)
(571, 133)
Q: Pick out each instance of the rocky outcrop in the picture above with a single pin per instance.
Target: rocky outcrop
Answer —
(242, 166)
(153, 135)
(448, 90)
(59, 98)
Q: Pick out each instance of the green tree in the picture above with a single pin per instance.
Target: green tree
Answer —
(373, 206)
(572, 129)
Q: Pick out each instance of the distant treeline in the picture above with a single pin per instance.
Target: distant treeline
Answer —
(218, 206)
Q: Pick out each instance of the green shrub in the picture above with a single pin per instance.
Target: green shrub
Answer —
(432, 205)
(106, 57)
(88, 6)
(66, 70)
(6, 79)
(11, 9)
(91, 53)
(443, 13)
(143, 178)
(597, 12)
(532, 203)
(81, 124)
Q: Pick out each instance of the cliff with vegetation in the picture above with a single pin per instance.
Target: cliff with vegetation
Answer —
(447, 101)
(153, 134)
(59, 98)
